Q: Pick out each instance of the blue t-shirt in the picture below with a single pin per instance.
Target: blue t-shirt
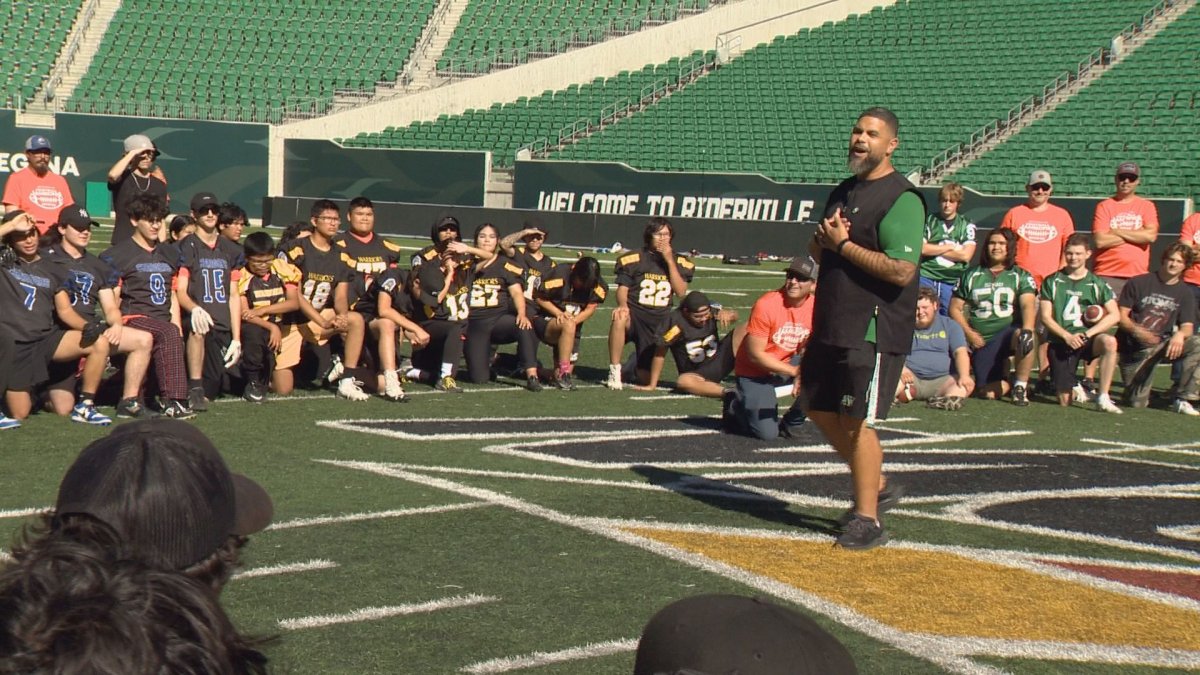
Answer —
(933, 348)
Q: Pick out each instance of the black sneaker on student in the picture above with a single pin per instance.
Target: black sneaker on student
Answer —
(862, 534)
(132, 409)
(728, 423)
(196, 400)
(564, 382)
(178, 410)
(255, 392)
(532, 383)
(889, 498)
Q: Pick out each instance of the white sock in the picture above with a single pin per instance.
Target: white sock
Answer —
(614, 369)
(1021, 383)
(447, 369)
(414, 374)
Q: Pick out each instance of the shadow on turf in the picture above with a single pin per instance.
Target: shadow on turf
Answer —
(732, 498)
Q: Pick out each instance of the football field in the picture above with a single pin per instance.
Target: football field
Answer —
(504, 531)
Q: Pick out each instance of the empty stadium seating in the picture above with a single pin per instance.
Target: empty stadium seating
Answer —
(509, 32)
(505, 127)
(245, 60)
(1146, 109)
(35, 31)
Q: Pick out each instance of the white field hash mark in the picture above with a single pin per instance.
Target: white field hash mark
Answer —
(286, 568)
(537, 659)
(376, 613)
(374, 515)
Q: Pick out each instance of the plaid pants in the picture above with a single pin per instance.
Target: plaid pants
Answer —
(166, 355)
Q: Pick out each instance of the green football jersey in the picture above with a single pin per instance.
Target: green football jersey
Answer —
(993, 300)
(937, 231)
(1070, 297)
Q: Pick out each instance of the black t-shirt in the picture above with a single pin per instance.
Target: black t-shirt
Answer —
(146, 278)
(490, 285)
(1155, 306)
(211, 272)
(87, 275)
(27, 291)
(690, 345)
(123, 190)
(644, 272)
(321, 271)
(556, 289)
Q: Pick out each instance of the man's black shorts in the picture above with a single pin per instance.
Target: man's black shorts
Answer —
(858, 383)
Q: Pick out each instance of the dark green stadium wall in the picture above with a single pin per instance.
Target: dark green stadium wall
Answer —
(227, 159)
(317, 168)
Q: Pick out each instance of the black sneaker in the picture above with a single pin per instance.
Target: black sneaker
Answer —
(790, 430)
(728, 422)
(178, 409)
(1020, 396)
(564, 382)
(862, 534)
(196, 400)
(255, 392)
(132, 409)
(889, 498)
(1089, 385)
(448, 383)
(532, 383)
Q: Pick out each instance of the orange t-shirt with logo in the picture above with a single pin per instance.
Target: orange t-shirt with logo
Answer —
(786, 330)
(41, 197)
(1189, 234)
(1041, 236)
(1125, 260)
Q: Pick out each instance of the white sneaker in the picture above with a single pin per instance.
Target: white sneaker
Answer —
(336, 368)
(1184, 408)
(1081, 395)
(1105, 404)
(391, 386)
(614, 378)
(351, 390)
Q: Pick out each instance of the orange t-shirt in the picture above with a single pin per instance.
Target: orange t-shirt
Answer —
(1125, 260)
(1189, 234)
(1041, 236)
(786, 330)
(41, 197)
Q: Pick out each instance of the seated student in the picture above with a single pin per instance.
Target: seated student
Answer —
(145, 533)
(442, 290)
(736, 634)
(96, 302)
(1158, 322)
(325, 298)
(769, 357)
(268, 290)
(702, 357)
(996, 306)
(143, 276)
(498, 310)
(394, 302)
(566, 300)
(33, 295)
(1064, 300)
(646, 282)
(209, 268)
(938, 369)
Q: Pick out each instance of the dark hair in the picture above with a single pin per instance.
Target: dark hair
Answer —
(586, 271)
(124, 616)
(482, 227)
(886, 116)
(258, 243)
(360, 203)
(180, 222)
(147, 206)
(655, 225)
(322, 205)
(293, 231)
(1182, 249)
(928, 293)
(1010, 257)
(1079, 239)
(230, 213)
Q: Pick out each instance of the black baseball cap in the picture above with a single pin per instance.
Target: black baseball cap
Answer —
(737, 634)
(444, 223)
(694, 301)
(203, 199)
(77, 217)
(804, 266)
(163, 486)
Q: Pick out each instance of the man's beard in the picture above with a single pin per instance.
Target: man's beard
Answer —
(863, 165)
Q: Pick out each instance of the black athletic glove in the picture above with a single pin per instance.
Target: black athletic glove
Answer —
(92, 332)
(1024, 341)
(8, 258)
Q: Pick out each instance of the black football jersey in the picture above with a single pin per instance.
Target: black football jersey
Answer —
(321, 271)
(270, 288)
(427, 254)
(146, 278)
(691, 346)
(556, 289)
(456, 305)
(536, 271)
(27, 291)
(367, 259)
(489, 288)
(394, 283)
(211, 272)
(644, 272)
(87, 275)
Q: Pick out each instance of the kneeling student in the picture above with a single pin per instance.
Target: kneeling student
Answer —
(702, 357)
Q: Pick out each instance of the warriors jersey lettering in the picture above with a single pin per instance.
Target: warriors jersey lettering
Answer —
(321, 272)
(367, 258)
(87, 276)
(690, 345)
(490, 288)
(1070, 297)
(993, 301)
(456, 305)
(27, 291)
(644, 273)
(557, 290)
(212, 272)
(270, 288)
(146, 278)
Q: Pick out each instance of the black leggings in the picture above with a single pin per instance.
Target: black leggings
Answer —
(498, 330)
(258, 359)
(445, 346)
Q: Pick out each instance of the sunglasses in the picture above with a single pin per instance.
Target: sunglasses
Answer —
(1127, 178)
(796, 276)
(208, 209)
(1040, 187)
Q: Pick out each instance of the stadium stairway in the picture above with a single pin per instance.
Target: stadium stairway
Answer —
(421, 70)
(71, 62)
